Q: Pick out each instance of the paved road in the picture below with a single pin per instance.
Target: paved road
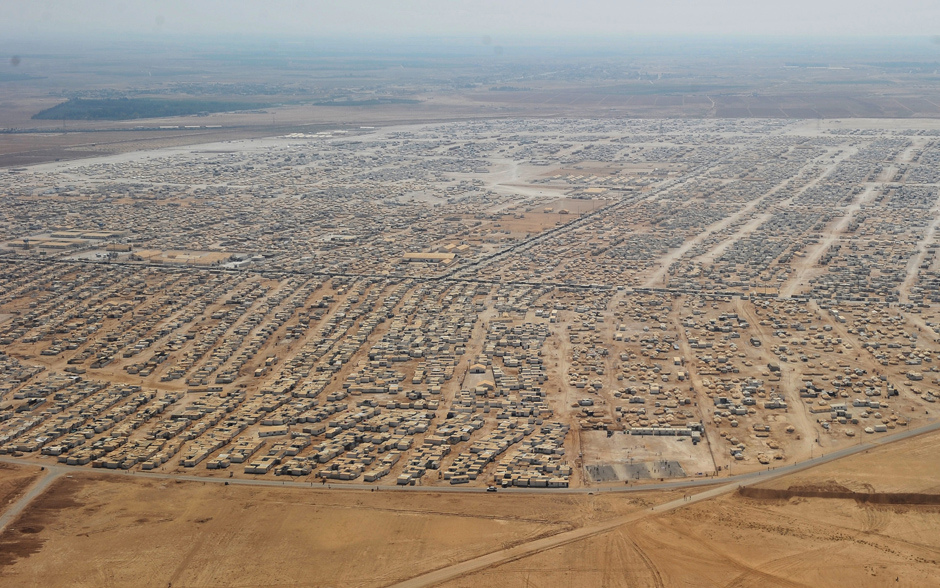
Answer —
(526, 549)
(738, 479)
(732, 483)
(725, 485)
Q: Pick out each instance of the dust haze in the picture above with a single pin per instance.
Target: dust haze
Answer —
(287, 300)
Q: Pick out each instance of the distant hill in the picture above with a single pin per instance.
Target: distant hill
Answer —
(17, 77)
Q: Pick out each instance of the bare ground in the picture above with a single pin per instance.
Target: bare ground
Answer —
(89, 531)
(14, 480)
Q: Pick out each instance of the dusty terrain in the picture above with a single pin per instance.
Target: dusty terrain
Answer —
(14, 480)
(196, 534)
(87, 531)
(446, 276)
(736, 542)
(249, 294)
(418, 83)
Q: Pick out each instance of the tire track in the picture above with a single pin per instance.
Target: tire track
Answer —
(654, 571)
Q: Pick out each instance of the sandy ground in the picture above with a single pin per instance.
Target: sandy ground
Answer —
(736, 541)
(14, 480)
(88, 531)
(739, 542)
(911, 466)
(191, 534)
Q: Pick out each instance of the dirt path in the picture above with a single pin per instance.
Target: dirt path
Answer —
(38, 487)
(930, 237)
(540, 545)
(918, 321)
(526, 549)
(694, 379)
(749, 227)
(557, 361)
(805, 269)
(788, 385)
(688, 484)
(656, 279)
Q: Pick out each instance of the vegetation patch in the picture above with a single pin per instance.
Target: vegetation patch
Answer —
(368, 102)
(133, 108)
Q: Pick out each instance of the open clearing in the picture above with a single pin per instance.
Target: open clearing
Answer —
(193, 534)
(88, 531)
(735, 542)
(437, 320)
(14, 480)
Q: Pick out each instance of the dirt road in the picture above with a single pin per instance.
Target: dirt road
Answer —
(513, 553)
(37, 488)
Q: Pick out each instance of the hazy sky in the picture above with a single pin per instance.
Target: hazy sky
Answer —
(501, 19)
